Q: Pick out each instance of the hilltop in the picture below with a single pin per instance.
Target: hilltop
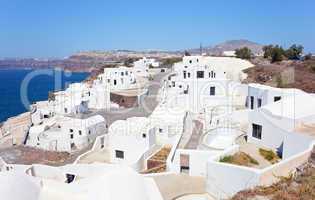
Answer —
(230, 45)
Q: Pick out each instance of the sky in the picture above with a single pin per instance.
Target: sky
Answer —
(59, 28)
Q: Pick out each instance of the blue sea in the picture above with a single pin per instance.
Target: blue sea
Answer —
(37, 84)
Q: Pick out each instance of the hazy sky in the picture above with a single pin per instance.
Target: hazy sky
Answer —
(57, 28)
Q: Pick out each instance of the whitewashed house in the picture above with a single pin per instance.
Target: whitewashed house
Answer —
(96, 181)
(99, 96)
(270, 125)
(229, 53)
(197, 84)
(120, 78)
(141, 67)
(66, 134)
(131, 141)
(71, 101)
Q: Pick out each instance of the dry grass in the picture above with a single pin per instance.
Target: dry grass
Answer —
(162, 154)
(269, 155)
(241, 159)
(299, 188)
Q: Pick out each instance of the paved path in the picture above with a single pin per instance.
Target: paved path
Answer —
(173, 186)
(193, 142)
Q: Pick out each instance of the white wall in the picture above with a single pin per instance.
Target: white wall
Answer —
(197, 161)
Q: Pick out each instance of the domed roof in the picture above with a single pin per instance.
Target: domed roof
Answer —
(17, 186)
(118, 185)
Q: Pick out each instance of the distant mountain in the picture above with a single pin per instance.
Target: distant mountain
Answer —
(230, 45)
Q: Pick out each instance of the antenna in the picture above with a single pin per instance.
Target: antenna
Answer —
(201, 49)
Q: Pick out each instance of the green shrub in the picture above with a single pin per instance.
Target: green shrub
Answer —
(227, 159)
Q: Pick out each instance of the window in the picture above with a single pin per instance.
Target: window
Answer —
(115, 82)
(160, 130)
(71, 130)
(89, 132)
(257, 130)
(259, 103)
(66, 110)
(211, 74)
(122, 73)
(277, 98)
(252, 102)
(120, 154)
(80, 132)
(144, 135)
(71, 136)
(173, 83)
(188, 74)
(212, 91)
(190, 61)
(108, 80)
(200, 74)
(184, 73)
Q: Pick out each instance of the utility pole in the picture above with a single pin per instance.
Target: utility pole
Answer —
(201, 49)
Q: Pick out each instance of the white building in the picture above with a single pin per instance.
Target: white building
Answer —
(197, 84)
(229, 53)
(66, 134)
(130, 141)
(120, 78)
(95, 181)
(99, 96)
(141, 67)
(270, 125)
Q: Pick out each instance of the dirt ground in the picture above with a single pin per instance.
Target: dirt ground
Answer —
(27, 156)
(294, 74)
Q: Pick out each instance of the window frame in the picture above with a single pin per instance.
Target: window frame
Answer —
(257, 131)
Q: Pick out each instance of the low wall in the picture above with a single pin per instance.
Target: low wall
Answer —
(98, 145)
(225, 180)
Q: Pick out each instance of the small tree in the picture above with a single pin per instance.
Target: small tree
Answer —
(243, 53)
(277, 54)
(267, 51)
(294, 52)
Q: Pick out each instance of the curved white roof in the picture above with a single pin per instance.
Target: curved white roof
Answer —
(295, 107)
(118, 185)
(132, 125)
(17, 186)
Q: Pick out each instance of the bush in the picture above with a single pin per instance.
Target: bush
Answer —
(240, 158)
(294, 52)
(277, 54)
(226, 159)
(243, 53)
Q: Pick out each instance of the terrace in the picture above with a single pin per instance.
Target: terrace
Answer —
(252, 155)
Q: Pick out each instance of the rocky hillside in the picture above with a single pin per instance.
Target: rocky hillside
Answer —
(285, 74)
(230, 45)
